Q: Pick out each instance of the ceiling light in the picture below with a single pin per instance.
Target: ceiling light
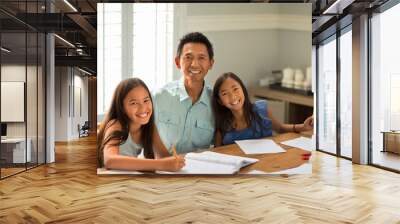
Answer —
(337, 7)
(84, 71)
(5, 50)
(79, 51)
(70, 5)
(65, 41)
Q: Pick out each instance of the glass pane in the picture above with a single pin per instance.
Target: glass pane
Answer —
(100, 60)
(109, 53)
(386, 89)
(13, 85)
(41, 99)
(31, 98)
(112, 7)
(152, 48)
(327, 96)
(346, 94)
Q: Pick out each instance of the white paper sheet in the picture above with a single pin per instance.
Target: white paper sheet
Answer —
(306, 168)
(259, 146)
(257, 172)
(301, 142)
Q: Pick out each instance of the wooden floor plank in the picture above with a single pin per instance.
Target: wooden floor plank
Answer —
(69, 191)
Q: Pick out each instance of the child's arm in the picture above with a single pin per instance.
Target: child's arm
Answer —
(160, 149)
(218, 139)
(113, 160)
(281, 128)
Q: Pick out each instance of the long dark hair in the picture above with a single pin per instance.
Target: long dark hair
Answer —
(223, 116)
(117, 113)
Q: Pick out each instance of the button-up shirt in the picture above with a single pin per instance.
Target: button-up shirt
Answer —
(188, 126)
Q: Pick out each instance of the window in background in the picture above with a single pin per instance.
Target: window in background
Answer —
(385, 84)
(144, 41)
(327, 95)
(109, 53)
(152, 43)
(394, 101)
(346, 93)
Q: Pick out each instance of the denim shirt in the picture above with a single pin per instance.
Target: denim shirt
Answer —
(189, 126)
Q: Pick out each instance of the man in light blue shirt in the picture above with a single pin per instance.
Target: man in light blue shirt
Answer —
(182, 108)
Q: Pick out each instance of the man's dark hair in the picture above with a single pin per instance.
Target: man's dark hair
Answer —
(195, 37)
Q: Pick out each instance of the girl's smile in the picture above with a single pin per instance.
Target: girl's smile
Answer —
(231, 95)
(137, 105)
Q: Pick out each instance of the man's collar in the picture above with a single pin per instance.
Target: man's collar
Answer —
(184, 95)
(182, 90)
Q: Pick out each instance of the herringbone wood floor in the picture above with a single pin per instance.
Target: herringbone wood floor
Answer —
(69, 191)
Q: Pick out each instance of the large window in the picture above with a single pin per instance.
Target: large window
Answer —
(385, 84)
(327, 96)
(335, 73)
(152, 42)
(109, 52)
(134, 40)
(346, 93)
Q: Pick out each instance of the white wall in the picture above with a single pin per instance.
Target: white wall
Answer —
(33, 127)
(61, 106)
(15, 72)
(250, 40)
(294, 49)
(80, 83)
(243, 54)
(67, 116)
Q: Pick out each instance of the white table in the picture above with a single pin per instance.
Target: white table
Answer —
(18, 149)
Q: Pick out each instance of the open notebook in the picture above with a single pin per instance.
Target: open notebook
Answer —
(200, 163)
(212, 163)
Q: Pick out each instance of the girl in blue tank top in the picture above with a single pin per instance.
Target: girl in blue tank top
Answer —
(128, 128)
(236, 118)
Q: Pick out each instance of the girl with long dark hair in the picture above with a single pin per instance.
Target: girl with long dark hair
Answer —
(236, 118)
(128, 128)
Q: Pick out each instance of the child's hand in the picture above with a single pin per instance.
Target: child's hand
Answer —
(173, 163)
(309, 123)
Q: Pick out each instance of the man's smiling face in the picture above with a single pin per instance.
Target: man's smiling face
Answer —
(194, 62)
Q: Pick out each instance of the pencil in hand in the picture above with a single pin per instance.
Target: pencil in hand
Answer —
(180, 161)
(174, 151)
